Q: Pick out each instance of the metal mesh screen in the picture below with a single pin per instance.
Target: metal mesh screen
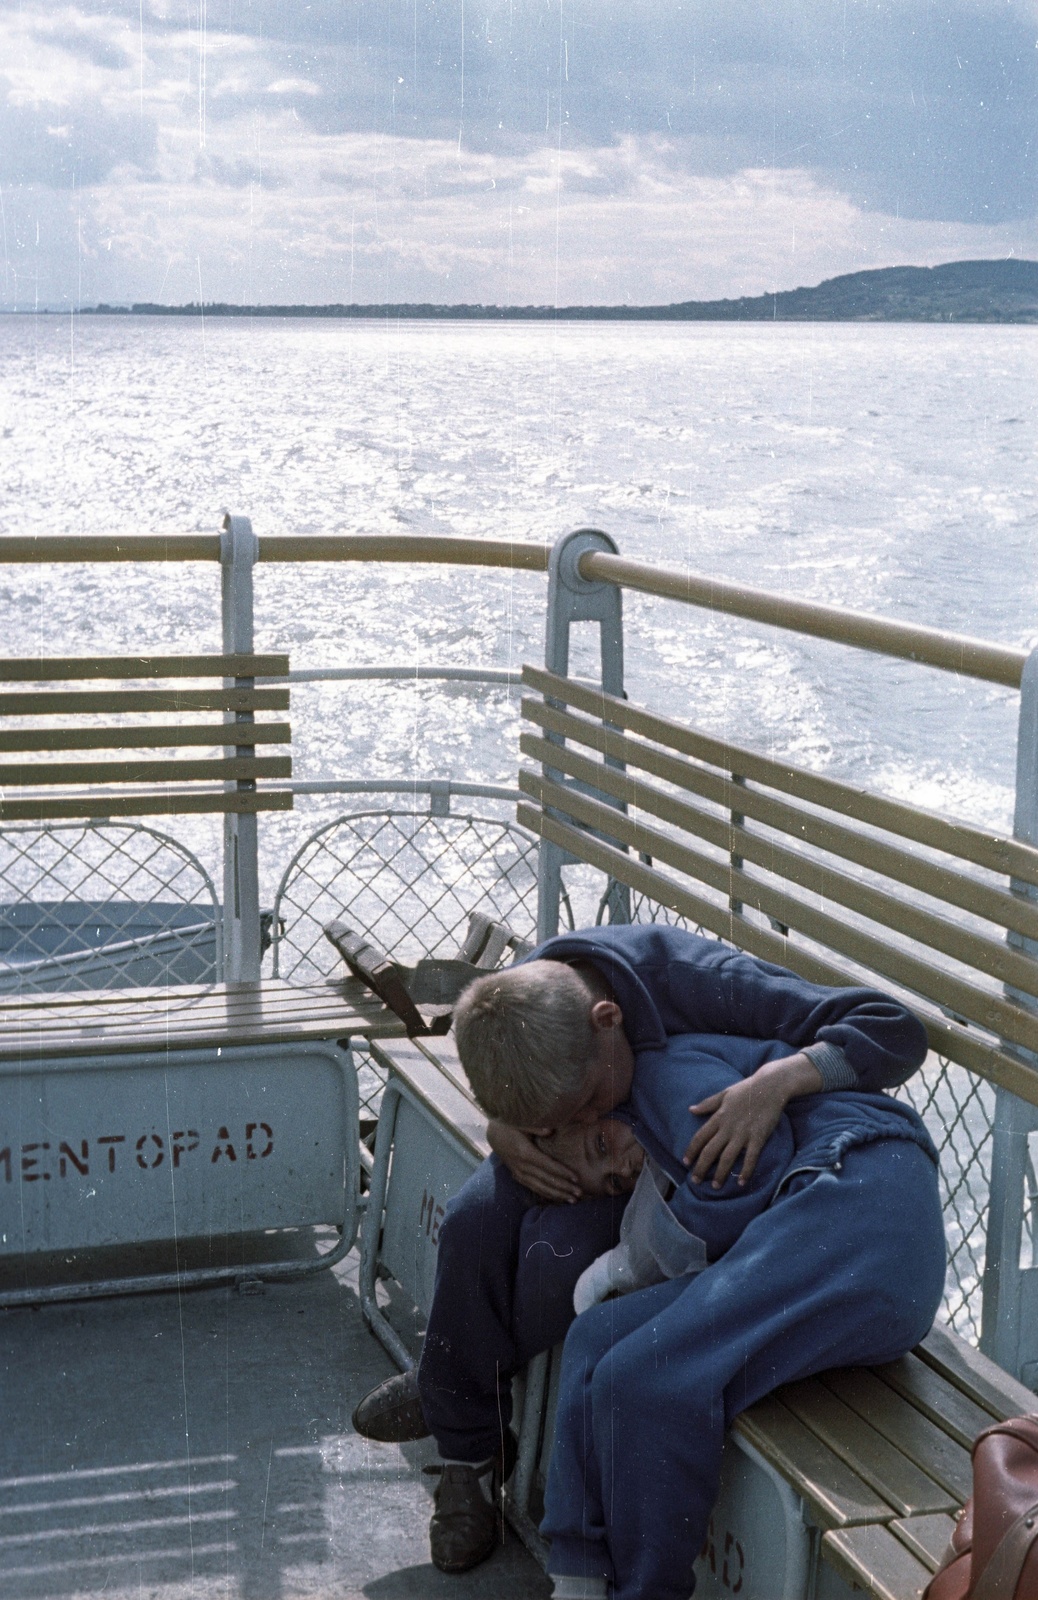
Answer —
(645, 910)
(409, 881)
(100, 905)
(958, 1110)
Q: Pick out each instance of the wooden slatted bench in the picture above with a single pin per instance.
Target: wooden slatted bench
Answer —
(844, 1484)
(88, 781)
(155, 1138)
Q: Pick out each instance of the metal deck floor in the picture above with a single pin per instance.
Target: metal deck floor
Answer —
(199, 1445)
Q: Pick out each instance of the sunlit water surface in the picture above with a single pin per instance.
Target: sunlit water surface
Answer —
(887, 468)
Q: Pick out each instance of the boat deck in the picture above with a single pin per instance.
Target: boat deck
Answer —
(199, 1444)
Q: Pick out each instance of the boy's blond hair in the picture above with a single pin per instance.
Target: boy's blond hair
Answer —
(525, 1040)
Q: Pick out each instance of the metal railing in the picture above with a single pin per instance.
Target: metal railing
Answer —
(97, 905)
(931, 647)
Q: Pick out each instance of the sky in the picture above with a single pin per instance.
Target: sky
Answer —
(515, 152)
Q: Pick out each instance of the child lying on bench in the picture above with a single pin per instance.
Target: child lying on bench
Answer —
(672, 1226)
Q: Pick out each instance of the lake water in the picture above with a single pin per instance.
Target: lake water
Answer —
(888, 468)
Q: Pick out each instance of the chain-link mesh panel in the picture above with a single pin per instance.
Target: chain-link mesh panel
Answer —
(101, 905)
(645, 910)
(958, 1110)
(409, 882)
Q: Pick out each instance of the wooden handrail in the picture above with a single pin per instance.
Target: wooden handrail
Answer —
(952, 652)
(516, 554)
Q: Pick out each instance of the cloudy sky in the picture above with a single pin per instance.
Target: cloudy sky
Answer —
(509, 151)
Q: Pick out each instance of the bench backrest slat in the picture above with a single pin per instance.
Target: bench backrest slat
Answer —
(899, 965)
(935, 878)
(241, 802)
(708, 830)
(48, 702)
(996, 853)
(159, 736)
(139, 785)
(42, 669)
(221, 769)
(973, 949)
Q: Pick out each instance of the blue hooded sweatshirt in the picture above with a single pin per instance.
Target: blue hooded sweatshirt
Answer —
(669, 982)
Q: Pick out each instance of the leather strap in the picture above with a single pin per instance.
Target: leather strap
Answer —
(999, 1579)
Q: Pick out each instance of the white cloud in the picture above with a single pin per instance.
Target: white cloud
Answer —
(187, 155)
(275, 213)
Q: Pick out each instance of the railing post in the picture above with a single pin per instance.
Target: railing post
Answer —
(241, 918)
(572, 598)
(1009, 1329)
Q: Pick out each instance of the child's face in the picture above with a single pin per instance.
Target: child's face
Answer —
(604, 1156)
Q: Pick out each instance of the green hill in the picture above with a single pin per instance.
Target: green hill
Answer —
(958, 291)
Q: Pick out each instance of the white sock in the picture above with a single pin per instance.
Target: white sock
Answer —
(570, 1587)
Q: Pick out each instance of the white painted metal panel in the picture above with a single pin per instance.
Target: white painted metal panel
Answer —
(429, 1166)
(101, 1151)
(757, 1545)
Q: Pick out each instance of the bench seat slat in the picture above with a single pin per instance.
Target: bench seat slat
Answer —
(157, 737)
(921, 1440)
(239, 801)
(426, 1079)
(187, 997)
(927, 1537)
(980, 1379)
(875, 1559)
(43, 669)
(902, 1484)
(937, 1398)
(56, 702)
(234, 1014)
(835, 1495)
(212, 769)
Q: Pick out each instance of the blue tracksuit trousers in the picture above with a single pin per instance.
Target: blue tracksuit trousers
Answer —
(506, 1267)
(845, 1268)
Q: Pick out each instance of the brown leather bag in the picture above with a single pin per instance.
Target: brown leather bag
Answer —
(994, 1550)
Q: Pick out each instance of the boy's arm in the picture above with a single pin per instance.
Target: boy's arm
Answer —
(742, 1118)
(880, 1040)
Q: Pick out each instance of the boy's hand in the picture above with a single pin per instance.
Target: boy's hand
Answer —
(742, 1118)
(532, 1166)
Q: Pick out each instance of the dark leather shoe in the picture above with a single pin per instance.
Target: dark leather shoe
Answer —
(467, 1522)
(464, 1526)
(391, 1413)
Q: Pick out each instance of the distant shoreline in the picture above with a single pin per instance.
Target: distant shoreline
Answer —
(1003, 291)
